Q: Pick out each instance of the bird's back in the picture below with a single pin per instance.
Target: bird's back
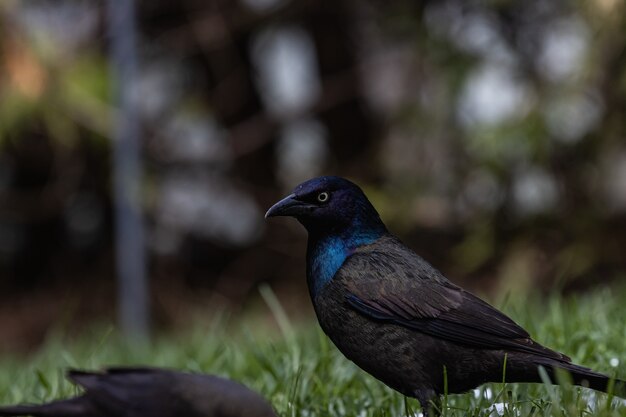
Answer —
(164, 393)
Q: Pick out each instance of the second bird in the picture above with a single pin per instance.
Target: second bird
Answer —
(150, 392)
(396, 316)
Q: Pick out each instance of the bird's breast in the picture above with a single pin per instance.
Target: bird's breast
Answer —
(387, 351)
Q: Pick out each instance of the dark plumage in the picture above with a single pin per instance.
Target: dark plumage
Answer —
(399, 318)
(151, 392)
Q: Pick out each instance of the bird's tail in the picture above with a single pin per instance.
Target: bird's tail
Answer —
(589, 378)
(63, 408)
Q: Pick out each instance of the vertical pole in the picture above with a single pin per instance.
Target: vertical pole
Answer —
(129, 234)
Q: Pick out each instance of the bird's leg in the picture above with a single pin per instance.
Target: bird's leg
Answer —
(430, 402)
(435, 406)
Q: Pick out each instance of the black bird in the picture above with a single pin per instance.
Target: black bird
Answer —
(396, 316)
(150, 392)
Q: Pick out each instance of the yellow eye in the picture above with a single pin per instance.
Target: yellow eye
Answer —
(323, 197)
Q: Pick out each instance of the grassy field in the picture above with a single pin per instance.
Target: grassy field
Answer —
(299, 370)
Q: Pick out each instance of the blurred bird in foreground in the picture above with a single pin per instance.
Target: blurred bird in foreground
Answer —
(151, 392)
(399, 318)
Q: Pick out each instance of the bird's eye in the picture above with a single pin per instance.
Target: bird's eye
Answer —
(323, 197)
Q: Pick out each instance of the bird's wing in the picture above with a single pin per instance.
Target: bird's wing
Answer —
(129, 392)
(395, 285)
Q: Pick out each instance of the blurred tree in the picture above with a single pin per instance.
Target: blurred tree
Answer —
(490, 135)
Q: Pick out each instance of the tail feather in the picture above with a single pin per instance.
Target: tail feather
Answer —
(589, 378)
(601, 383)
(73, 407)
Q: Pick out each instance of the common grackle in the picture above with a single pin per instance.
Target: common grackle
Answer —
(151, 392)
(400, 319)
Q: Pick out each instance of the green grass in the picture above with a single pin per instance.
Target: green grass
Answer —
(299, 370)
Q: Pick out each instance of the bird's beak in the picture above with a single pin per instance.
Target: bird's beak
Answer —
(288, 206)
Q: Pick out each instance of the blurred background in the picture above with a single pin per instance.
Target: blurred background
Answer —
(491, 136)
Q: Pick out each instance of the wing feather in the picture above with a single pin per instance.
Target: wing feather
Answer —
(391, 283)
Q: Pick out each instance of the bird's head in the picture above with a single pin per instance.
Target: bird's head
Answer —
(329, 204)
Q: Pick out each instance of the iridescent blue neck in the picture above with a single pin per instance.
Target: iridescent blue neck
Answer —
(326, 254)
